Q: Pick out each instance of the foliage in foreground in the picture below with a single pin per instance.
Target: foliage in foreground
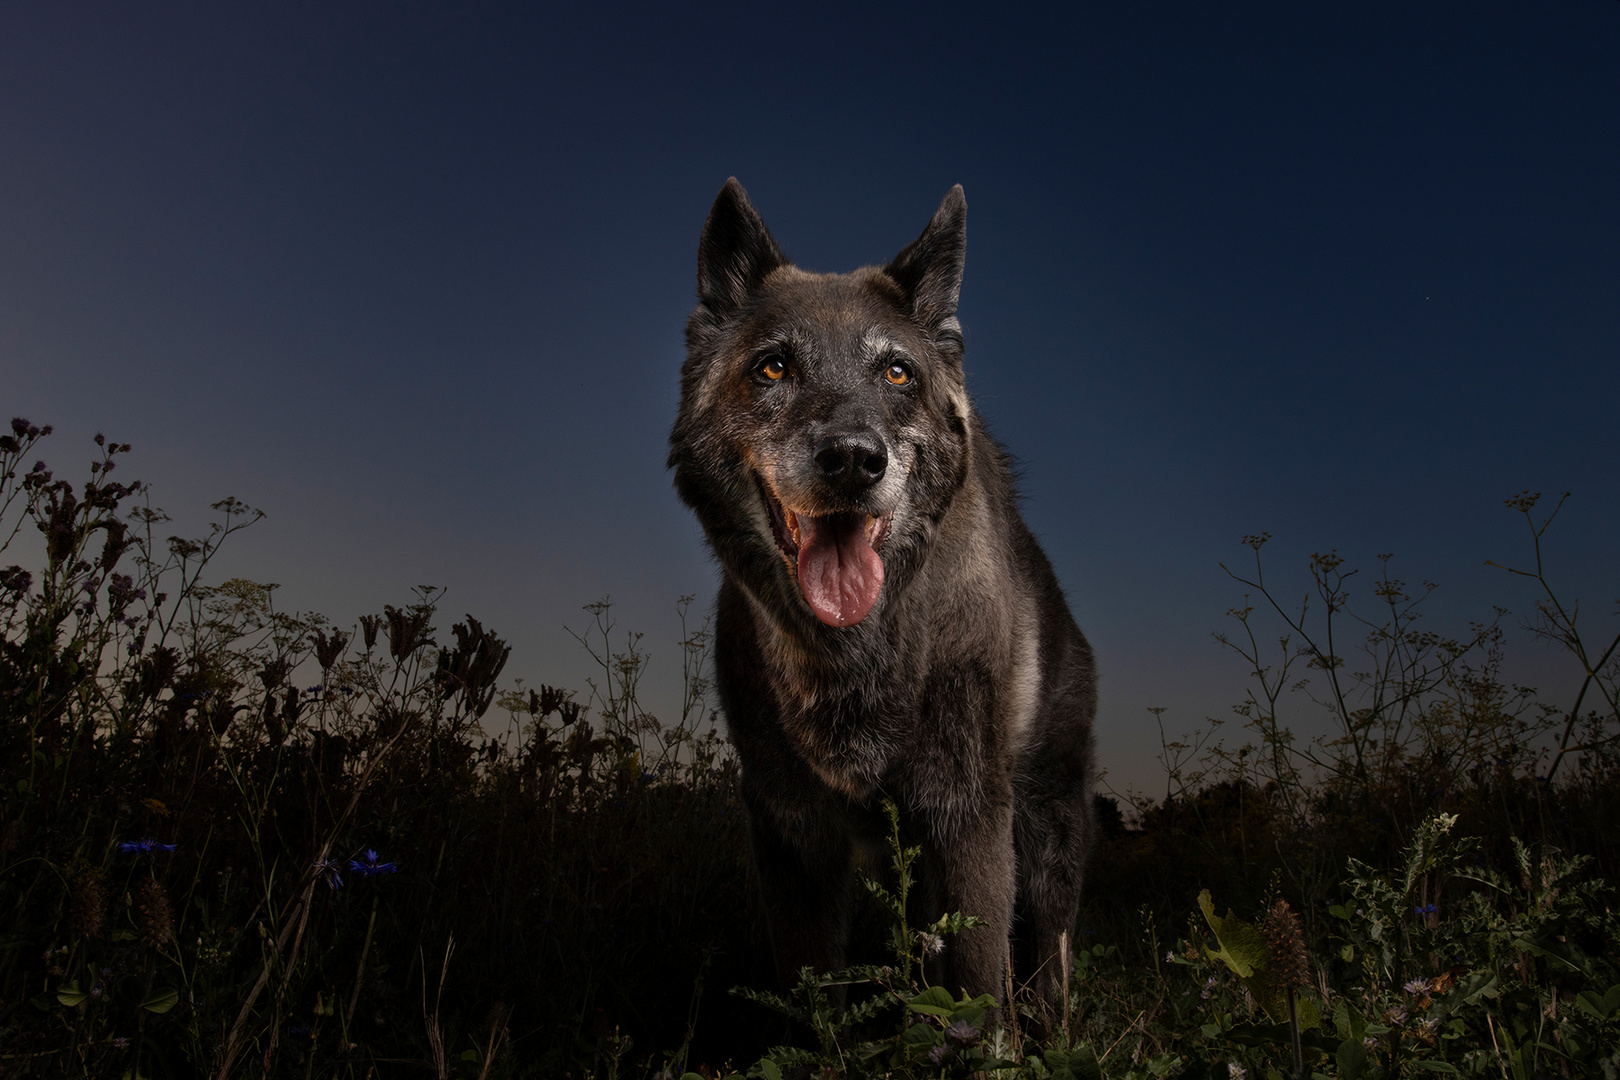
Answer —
(238, 841)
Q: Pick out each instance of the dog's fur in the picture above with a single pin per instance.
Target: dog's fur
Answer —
(927, 654)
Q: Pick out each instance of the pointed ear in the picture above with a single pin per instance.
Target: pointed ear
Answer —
(930, 267)
(735, 252)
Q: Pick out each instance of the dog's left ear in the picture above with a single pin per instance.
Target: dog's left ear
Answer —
(930, 267)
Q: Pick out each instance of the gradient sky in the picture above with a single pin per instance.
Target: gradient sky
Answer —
(412, 278)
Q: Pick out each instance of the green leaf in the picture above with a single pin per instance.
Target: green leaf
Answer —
(934, 1001)
(769, 1070)
(1352, 1059)
(1083, 1064)
(920, 1035)
(1599, 1006)
(70, 995)
(1241, 947)
(161, 1000)
(1435, 1066)
(472, 1055)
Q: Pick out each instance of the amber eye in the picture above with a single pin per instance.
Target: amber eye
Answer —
(898, 374)
(773, 367)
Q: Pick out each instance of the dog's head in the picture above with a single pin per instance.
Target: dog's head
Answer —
(823, 425)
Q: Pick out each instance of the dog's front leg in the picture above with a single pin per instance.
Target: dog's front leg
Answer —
(803, 860)
(977, 876)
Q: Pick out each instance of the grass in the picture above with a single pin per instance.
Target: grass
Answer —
(237, 841)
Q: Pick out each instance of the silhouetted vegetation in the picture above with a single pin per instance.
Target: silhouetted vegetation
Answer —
(241, 841)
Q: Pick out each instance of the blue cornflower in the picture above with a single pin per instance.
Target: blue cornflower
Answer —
(368, 866)
(329, 868)
(1426, 909)
(144, 846)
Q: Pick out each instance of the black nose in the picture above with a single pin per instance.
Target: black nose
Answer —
(852, 461)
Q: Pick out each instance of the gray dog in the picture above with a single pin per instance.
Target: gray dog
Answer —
(887, 626)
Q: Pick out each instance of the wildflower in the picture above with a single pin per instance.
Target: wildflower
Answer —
(300, 1031)
(1209, 987)
(1170, 957)
(932, 944)
(1395, 1016)
(121, 1043)
(368, 866)
(156, 917)
(97, 990)
(940, 1054)
(963, 1034)
(144, 846)
(1370, 1043)
(1235, 1071)
(1417, 987)
(330, 869)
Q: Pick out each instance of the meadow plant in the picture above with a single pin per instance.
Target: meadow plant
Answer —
(242, 841)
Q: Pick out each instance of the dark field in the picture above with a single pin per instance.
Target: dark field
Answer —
(236, 841)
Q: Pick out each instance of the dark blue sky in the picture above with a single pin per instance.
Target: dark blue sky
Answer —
(412, 279)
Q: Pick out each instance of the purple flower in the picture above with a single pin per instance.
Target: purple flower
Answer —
(144, 846)
(940, 1054)
(121, 1043)
(963, 1034)
(330, 869)
(1426, 909)
(1416, 987)
(368, 866)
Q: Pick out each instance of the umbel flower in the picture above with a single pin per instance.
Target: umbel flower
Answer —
(156, 918)
(368, 866)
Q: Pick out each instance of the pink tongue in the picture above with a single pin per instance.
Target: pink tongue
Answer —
(839, 573)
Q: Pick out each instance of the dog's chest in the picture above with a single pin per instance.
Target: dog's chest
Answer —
(848, 721)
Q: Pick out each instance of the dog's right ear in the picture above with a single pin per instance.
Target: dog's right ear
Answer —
(736, 251)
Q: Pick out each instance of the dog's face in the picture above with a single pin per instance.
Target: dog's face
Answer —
(823, 422)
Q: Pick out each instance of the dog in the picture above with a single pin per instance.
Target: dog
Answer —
(886, 624)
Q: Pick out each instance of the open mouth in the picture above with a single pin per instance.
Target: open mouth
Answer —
(835, 557)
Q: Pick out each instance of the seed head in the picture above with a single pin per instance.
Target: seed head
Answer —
(1285, 946)
(88, 906)
(156, 918)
